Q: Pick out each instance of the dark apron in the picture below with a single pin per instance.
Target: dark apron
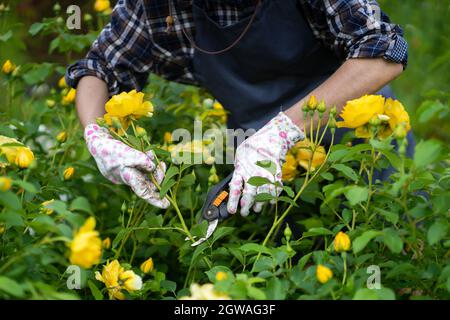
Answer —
(278, 62)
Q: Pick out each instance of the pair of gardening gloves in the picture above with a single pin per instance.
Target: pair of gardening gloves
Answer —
(122, 164)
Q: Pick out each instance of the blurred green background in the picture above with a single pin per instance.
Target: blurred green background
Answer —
(424, 88)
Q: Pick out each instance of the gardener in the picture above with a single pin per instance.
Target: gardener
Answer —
(260, 58)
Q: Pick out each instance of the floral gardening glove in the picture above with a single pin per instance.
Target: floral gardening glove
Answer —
(119, 163)
(271, 143)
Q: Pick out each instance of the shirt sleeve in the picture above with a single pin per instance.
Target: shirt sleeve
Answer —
(121, 55)
(358, 29)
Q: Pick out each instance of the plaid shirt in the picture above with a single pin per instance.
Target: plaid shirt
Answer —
(136, 42)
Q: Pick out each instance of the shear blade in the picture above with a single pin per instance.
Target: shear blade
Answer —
(211, 227)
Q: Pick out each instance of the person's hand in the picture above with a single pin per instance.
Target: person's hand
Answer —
(120, 163)
(271, 143)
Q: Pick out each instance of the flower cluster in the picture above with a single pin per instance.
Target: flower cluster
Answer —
(15, 152)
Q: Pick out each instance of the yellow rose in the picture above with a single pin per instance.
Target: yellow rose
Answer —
(12, 153)
(110, 277)
(129, 104)
(5, 183)
(147, 266)
(62, 83)
(312, 102)
(205, 292)
(8, 67)
(102, 6)
(167, 137)
(24, 158)
(342, 242)
(323, 274)
(397, 114)
(45, 208)
(305, 155)
(289, 169)
(86, 246)
(69, 97)
(116, 279)
(220, 276)
(61, 137)
(358, 112)
(68, 173)
(106, 243)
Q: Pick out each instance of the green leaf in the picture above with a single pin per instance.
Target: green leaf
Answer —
(361, 242)
(35, 28)
(10, 200)
(254, 247)
(5, 37)
(11, 218)
(392, 240)
(437, 232)
(263, 263)
(172, 171)
(165, 187)
(263, 197)
(95, 291)
(426, 152)
(168, 285)
(390, 216)
(356, 194)
(258, 181)
(27, 186)
(288, 200)
(374, 294)
(268, 165)
(11, 287)
(346, 171)
(289, 191)
(303, 260)
(81, 204)
(327, 176)
(317, 232)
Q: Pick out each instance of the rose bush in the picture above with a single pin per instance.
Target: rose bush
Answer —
(328, 234)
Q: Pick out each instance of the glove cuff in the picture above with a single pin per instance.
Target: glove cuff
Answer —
(287, 129)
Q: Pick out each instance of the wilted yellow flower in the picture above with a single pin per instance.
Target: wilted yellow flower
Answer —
(147, 266)
(342, 242)
(131, 281)
(167, 137)
(397, 114)
(358, 112)
(86, 246)
(305, 155)
(312, 102)
(8, 67)
(289, 168)
(24, 158)
(61, 137)
(69, 97)
(102, 6)
(5, 183)
(323, 274)
(62, 83)
(12, 152)
(68, 173)
(45, 208)
(205, 292)
(221, 276)
(116, 279)
(106, 243)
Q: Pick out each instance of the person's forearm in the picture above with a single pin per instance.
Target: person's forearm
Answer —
(355, 78)
(92, 94)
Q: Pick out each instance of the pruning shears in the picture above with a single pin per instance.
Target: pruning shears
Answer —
(215, 207)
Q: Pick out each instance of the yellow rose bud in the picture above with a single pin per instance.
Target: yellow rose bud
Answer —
(147, 266)
(24, 157)
(312, 102)
(69, 97)
(287, 232)
(375, 121)
(2, 229)
(62, 83)
(333, 110)
(323, 274)
(5, 183)
(102, 5)
(61, 137)
(68, 173)
(400, 132)
(106, 243)
(221, 276)
(140, 132)
(322, 107)
(45, 208)
(116, 123)
(342, 242)
(167, 137)
(50, 103)
(8, 67)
